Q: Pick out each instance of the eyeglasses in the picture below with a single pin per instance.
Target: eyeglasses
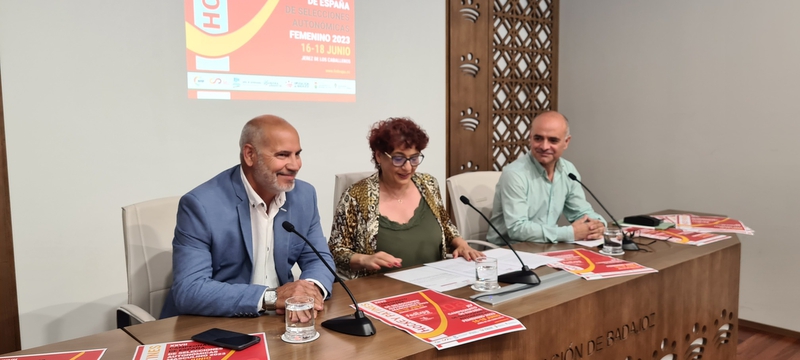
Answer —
(400, 160)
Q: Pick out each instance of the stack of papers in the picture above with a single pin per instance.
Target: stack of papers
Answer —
(452, 274)
(593, 266)
(678, 236)
(706, 223)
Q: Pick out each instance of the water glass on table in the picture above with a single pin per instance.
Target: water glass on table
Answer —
(612, 242)
(300, 322)
(485, 274)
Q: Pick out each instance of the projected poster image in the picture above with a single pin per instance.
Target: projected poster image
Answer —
(297, 50)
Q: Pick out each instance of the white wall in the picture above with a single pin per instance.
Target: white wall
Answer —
(693, 105)
(97, 117)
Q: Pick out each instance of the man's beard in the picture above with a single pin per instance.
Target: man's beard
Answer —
(269, 180)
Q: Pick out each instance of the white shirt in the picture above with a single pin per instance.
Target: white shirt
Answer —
(262, 219)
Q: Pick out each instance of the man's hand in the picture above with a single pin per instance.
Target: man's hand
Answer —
(376, 261)
(298, 288)
(586, 228)
(600, 229)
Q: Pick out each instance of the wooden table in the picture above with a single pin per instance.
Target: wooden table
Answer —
(689, 308)
(119, 345)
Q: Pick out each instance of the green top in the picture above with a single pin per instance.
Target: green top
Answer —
(417, 242)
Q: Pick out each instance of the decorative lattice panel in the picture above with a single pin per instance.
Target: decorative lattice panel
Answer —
(523, 73)
(502, 61)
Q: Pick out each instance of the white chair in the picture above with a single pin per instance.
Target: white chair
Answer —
(478, 187)
(481, 245)
(148, 229)
(343, 181)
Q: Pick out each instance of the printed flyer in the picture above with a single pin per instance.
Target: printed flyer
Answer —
(440, 320)
(190, 350)
(706, 223)
(678, 236)
(593, 266)
(67, 355)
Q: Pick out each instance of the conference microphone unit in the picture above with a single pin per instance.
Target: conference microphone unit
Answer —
(357, 324)
(627, 242)
(524, 276)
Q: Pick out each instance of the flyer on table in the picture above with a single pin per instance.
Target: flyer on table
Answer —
(591, 265)
(195, 350)
(678, 236)
(706, 223)
(440, 320)
(93, 354)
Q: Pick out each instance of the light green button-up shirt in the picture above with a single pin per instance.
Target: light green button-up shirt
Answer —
(527, 205)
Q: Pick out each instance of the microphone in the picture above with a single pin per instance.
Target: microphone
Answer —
(357, 324)
(627, 242)
(524, 276)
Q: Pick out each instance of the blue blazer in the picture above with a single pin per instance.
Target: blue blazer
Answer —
(212, 255)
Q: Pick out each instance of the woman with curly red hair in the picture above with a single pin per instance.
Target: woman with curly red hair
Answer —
(394, 218)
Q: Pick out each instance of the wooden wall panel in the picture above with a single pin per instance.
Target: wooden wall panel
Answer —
(469, 73)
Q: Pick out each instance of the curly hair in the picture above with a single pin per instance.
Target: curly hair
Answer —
(396, 133)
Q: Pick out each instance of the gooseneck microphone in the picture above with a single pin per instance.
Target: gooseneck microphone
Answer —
(524, 276)
(627, 242)
(357, 324)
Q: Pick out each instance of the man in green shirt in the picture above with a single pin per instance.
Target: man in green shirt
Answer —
(535, 190)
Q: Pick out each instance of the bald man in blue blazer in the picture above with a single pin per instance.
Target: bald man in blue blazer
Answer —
(231, 255)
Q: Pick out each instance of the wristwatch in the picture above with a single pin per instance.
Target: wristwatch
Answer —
(270, 298)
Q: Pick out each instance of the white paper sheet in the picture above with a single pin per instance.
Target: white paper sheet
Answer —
(433, 278)
(506, 262)
(589, 243)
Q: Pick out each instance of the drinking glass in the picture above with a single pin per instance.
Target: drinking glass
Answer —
(612, 242)
(485, 274)
(300, 322)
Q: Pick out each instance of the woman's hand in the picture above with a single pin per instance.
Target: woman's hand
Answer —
(375, 261)
(464, 250)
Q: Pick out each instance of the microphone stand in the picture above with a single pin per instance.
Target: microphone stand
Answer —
(357, 324)
(627, 241)
(523, 276)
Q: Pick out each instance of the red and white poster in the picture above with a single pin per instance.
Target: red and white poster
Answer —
(67, 355)
(186, 350)
(677, 235)
(301, 50)
(440, 320)
(593, 266)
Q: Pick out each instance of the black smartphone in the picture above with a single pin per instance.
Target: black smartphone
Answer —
(226, 339)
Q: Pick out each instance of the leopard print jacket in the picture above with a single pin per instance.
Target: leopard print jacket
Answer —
(355, 224)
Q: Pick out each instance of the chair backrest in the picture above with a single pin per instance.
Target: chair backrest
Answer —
(479, 187)
(148, 229)
(343, 181)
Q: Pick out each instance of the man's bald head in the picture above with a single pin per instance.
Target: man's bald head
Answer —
(552, 116)
(255, 130)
